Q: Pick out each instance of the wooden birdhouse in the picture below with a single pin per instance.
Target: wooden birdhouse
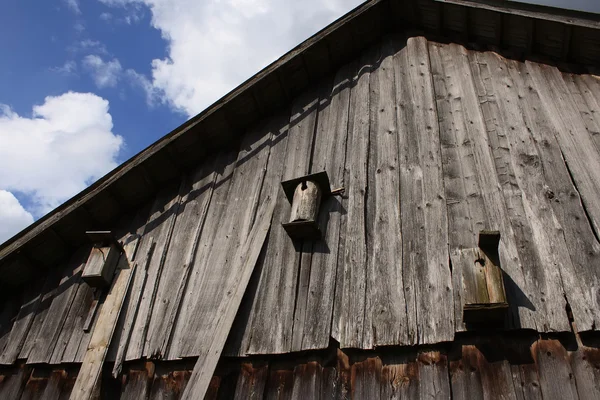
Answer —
(100, 266)
(305, 194)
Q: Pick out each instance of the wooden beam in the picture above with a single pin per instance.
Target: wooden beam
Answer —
(89, 374)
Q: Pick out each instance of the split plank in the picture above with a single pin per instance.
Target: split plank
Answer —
(386, 321)
(329, 155)
(425, 263)
(251, 382)
(554, 370)
(307, 381)
(272, 315)
(349, 307)
(433, 376)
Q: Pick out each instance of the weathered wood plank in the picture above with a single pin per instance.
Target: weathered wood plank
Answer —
(554, 371)
(251, 382)
(280, 385)
(329, 155)
(579, 281)
(386, 321)
(576, 144)
(138, 383)
(400, 378)
(189, 222)
(586, 368)
(219, 276)
(159, 225)
(489, 204)
(349, 307)
(58, 310)
(183, 336)
(32, 298)
(273, 310)
(425, 263)
(13, 383)
(56, 383)
(366, 376)
(307, 381)
(91, 367)
(243, 262)
(541, 246)
(433, 376)
(581, 88)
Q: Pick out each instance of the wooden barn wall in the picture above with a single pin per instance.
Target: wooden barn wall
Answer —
(525, 367)
(432, 143)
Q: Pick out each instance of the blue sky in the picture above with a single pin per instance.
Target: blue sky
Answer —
(86, 84)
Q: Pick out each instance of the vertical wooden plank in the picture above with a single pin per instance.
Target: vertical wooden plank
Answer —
(580, 153)
(58, 311)
(32, 299)
(183, 336)
(251, 382)
(158, 226)
(433, 376)
(585, 102)
(385, 309)
(280, 385)
(168, 386)
(91, 367)
(329, 155)
(585, 363)
(425, 263)
(400, 378)
(13, 382)
(244, 260)
(273, 309)
(138, 383)
(307, 381)
(554, 370)
(542, 246)
(366, 378)
(189, 222)
(36, 384)
(579, 281)
(467, 110)
(55, 385)
(349, 307)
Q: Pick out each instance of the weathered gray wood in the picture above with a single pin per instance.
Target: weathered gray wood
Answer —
(329, 155)
(349, 307)
(280, 385)
(580, 88)
(183, 336)
(586, 373)
(58, 311)
(465, 377)
(575, 142)
(425, 262)
(243, 263)
(179, 258)
(138, 383)
(579, 281)
(54, 388)
(489, 204)
(91, 367)
(554, 371)
(72, 330)
(385, 308)
(32, 299)
(220, 273)
(160, 223)
(272, 313)
(542, 245)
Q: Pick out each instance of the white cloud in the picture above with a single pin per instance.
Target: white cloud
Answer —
(106, 16)
(73, 5)
(105, 74)
(13, 217)
(68, 68)
(66, 144)
(214, 45)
